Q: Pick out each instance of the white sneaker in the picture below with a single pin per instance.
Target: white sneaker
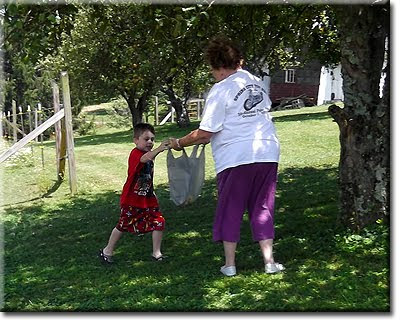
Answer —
(273, 268)
(228, 271)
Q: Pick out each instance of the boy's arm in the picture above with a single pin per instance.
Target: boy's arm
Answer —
(151, 155)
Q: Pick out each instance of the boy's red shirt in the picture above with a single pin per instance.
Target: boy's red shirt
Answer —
(138, 189)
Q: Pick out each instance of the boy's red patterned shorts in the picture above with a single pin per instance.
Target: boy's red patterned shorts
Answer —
(140, 220)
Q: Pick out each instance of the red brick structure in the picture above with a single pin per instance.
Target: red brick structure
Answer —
(295, 82)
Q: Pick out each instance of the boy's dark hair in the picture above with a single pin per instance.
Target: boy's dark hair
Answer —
(140, 128)
(222, 52)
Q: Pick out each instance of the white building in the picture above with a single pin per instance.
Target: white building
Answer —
(330, 85)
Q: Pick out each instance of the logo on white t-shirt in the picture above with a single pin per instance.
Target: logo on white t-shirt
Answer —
(255, 95)
(253, 100)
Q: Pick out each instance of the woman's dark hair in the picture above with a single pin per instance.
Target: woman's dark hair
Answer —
(140, 128)
(222, 52)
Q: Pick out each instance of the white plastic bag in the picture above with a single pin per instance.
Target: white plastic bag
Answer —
(186, 175)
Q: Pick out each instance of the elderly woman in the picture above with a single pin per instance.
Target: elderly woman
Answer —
(245, 149)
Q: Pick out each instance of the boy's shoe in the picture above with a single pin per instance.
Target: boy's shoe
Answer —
(272, 268)
(107, 259)
(228, 271)
(159, 258)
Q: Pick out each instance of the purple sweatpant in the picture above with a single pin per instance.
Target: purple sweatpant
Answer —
(251, 187)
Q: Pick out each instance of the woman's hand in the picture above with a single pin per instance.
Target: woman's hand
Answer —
(174, 144)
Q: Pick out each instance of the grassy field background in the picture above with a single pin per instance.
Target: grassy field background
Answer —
(51, 238)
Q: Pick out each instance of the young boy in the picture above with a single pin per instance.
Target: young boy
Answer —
(139, 205)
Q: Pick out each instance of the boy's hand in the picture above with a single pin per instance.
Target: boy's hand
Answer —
(164, 146)
(151, 155)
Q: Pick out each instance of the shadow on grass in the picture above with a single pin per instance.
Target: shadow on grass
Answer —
(47, 194)
(53, 188)
(98, 112)
(302, 117)
(120, 137)
(51, 262)
(125, 136)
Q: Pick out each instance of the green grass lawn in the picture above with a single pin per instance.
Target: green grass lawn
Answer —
(51, 239)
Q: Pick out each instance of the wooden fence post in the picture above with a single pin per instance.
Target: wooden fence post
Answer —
(16, 127)
(30, 124)
(156, 111)
(8, 125)
(40, 116)
(60, 135)
(30, 118)
(36, 122)
(21, 114)
(36, 132)
(14, 121)
(198, 109)
(2, 128)
(2, 115)
(69, 132)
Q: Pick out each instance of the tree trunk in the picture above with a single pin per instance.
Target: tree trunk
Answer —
(364, 169)
(182, 117)
(137, 106)
(137, 115)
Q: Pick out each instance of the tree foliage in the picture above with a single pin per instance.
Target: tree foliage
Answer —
(33, 31)
(184, 32)
(136, 50)
(30, 32)
(274, 37)
(132, 51)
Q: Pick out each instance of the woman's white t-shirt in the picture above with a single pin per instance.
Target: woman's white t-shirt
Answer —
(237, 112)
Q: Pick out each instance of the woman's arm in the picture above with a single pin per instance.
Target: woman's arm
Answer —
(195, 137)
